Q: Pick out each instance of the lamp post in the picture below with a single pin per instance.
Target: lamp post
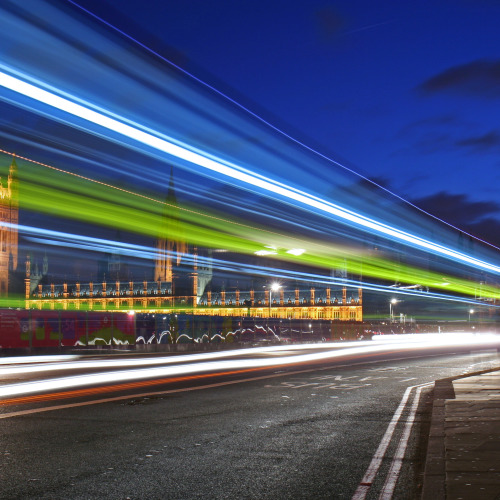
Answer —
(273, 288)
(391, 303)
(471, 311)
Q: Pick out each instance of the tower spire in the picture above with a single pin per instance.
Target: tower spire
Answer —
(171, 198)
(170, 245)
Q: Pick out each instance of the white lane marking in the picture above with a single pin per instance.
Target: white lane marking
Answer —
(365, 484)
(318, 385)
(397, 461)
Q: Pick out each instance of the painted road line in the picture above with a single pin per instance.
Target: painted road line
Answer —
(366, 483)
(397, 461)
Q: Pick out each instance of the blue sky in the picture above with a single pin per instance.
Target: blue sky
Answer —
(406, 93)
(403, 93)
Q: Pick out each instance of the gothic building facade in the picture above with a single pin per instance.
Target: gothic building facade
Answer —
(181, 279)
(9, 219)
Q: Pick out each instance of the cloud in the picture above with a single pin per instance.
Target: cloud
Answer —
(481, 143)
(479, 78)
(457, 209)
(487, 229)
(433, 134)
(448, 120)
(474, 217)
(447, 133)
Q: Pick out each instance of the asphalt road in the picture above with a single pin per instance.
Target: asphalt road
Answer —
(308, 431)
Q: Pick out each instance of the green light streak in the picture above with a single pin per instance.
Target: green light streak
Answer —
(60, 194)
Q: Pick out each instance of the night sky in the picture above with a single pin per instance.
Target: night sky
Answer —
(405, 93)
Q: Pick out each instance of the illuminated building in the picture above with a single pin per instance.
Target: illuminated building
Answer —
(182, 280)
(169, 252)
(9, 218)
(149, 296)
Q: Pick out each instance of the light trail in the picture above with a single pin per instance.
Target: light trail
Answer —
(142, 394)
(85, 202)
(56, 238)
(163, 360)
(98, 201)
(70, 240)
(19, 360)
(124, 376)
(93, 391)
(272, 126)
(205, 214)
(38, 364)
(126, 128)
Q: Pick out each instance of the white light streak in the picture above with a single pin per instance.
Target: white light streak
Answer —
(147, 361)
(121, 376)
(296, 251)
(20, 360)
(265, 252)
(154, 139)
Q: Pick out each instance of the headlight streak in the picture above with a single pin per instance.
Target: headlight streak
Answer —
(116, 363)
(19, 360)
(94, 192)
(123, 376)
(126, 128)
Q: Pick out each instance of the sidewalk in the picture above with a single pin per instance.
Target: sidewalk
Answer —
(463, 455)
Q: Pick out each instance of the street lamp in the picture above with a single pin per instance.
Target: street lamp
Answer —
(273, 288)
(391, 303)
(471, 311)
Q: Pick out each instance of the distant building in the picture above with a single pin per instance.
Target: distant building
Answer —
(9, 219)
(182, 279)
(171, 248)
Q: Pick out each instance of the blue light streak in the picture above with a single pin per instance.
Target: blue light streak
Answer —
(115, 123)
(272, 126)
(76, 241)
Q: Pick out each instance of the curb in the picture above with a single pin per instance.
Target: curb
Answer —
(434, 482)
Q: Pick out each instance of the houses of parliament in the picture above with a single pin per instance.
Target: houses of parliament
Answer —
(181, 279)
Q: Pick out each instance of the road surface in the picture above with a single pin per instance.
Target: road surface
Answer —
(336, 428)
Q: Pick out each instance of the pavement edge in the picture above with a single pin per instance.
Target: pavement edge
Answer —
(434, 482)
